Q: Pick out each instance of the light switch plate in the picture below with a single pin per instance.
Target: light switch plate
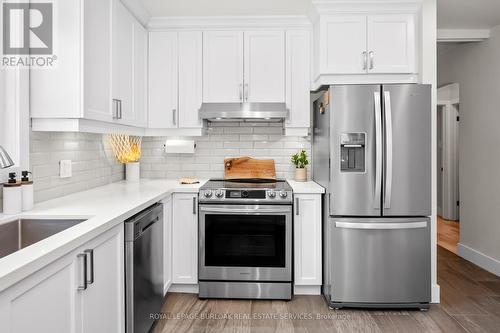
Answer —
(65, 168)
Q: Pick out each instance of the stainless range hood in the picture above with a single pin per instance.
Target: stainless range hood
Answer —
(244, 112)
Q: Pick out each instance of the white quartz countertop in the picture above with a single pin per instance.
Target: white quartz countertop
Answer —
(104, 207)
(309, 187)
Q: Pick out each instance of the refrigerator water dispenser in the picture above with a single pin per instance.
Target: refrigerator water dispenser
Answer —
(352, 150)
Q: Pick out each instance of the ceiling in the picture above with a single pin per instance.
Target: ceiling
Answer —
(452, 14)
(226, 7)
(468, 14)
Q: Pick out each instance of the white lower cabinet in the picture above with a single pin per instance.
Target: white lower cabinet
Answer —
(185, 238)
(167, 243)
(307, 237)
(53, 299)
(103, 302)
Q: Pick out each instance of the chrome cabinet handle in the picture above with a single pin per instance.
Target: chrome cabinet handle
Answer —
(115, 109)
(297, 206)
(90, 253)
(365, 60)
(84, 271)
(174, 118)
(241, 92)
(378, 149)
(194, 205)
(121, 111)
(246, 91)
(372, 54)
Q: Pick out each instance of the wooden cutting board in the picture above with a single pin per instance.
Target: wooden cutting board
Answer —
(247, 167)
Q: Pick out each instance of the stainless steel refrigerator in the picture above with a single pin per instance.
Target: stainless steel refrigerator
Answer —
(372, 152)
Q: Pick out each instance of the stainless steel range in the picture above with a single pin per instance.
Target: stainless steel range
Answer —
(245, 239)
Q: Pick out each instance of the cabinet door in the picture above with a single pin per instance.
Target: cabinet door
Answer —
(307, 236)
(222, 66)
(140, 75)
(264, 64)
(46, 301)
(343, 44)
(185, 239)
(97, 59)
(103, 306)
(123, 64)
(190, 78)
(167, 243)
(163, 80)
(391, 41)
(298, 78)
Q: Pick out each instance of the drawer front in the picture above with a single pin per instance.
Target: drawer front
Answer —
(381, 260)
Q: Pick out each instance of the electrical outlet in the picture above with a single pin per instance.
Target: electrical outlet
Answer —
(65, 168)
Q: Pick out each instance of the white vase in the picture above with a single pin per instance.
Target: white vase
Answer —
(300, 174)
(133, 172)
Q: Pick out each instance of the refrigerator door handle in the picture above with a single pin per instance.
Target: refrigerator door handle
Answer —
(378, 149)
(381, 226)
(388, 147)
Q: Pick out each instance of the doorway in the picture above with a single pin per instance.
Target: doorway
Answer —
(448, 192)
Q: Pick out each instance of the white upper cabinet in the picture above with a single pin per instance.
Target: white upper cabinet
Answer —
(140, 75)
(222, 66)
(163, 80)
(97, 60)
(243, 66)
(343, 44)
(79, 86)
(366, 44)
(175, 79)
(123, 63)
(190, 78)
(391, 43)
(298, 78)
(264, 66)
(99, 81)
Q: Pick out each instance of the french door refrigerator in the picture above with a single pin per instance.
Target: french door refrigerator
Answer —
(372, 152)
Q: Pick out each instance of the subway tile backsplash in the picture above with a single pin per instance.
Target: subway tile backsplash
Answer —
(258, 140)
(93, 163)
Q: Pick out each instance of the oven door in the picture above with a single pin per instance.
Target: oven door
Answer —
(245, 243)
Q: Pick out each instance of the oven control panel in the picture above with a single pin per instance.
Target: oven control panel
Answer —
(228, 195)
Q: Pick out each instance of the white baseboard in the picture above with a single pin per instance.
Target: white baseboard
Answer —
(307, 290)
(484, 261)
(435, 294)
(184, 288)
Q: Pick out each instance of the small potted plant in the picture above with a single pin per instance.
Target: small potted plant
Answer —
(300, 161)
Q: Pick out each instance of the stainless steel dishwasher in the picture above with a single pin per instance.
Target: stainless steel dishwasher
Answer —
(143, 268)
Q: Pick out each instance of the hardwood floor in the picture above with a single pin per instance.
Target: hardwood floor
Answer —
(448, 234)
(470, 302)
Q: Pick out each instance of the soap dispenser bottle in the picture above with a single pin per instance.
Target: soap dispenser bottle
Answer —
(12, 196)
(27, 190)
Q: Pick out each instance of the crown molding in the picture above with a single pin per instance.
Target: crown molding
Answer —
(323, 7)
(227, 22)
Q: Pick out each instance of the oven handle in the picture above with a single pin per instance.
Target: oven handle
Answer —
(244, 210)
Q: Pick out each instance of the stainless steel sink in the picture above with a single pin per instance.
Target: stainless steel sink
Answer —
(20, 233)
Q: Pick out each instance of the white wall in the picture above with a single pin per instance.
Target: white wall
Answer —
(428, 72)
(476, 67)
